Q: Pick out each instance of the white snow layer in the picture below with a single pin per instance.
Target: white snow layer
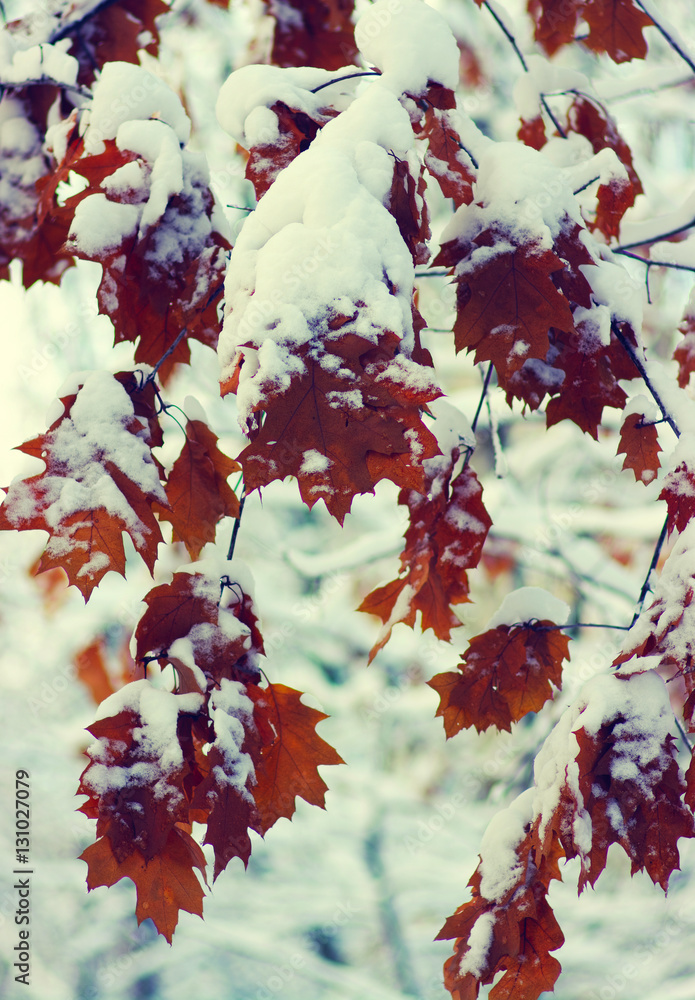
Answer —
(410, 43)
(321, 243)
(529, 604)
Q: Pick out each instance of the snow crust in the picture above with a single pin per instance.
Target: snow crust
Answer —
(232, 713)
(500, 868)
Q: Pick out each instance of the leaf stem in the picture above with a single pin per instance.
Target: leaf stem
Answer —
(235, 530)
(170, 350)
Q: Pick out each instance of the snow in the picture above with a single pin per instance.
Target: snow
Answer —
(529, 604)
(247, 94)
(125, 93)
(500, 867)
(232, 713)
(410, 43)
(321, 242)
(479, 942)
(49, 62)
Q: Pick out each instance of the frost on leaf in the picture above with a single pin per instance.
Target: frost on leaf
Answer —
(197, 489)
(98, 33)
(206, 637)
(506, 300)
(100, 480)
(25, 231)
(138, 767)
(445, 158)
(347, 420)
(616, 194)
(445, 537)
(221, 751)
(505, 673)
(292, 133)
(684, 353)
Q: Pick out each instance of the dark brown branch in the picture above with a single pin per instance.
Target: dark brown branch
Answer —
(348, 76)
(639, 365)
(669, 38)
(655, 239)
(655, 263)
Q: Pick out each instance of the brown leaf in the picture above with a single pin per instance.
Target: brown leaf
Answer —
(197, 489)
(289, 754)
(165, 884)
(507, 672)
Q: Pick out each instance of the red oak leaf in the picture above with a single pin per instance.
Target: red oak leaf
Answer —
(513, 933)
(314, 431)
(615, 27)
(684, 353)
(294, 133)
(222, 636)
(165, 884)
(532, 132)
(100, 480)
(506, 300)
(679, 494)
(639, 442)
(138, 799)
(197, 489)
(505, 673)
(448, 527)
(555, 22)
(289, 755)
(313, 33)
(445, 158)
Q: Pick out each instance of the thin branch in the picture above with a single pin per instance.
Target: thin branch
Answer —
(170, 350)
(684, 735)
(639, 365)
(235, 531)
(513, 42)
(348, 76)
(654, 239)
(571, 625)
(654, 263)
(431, 274)
(669, 38)
(45, 81)
(652, 566)
(585, 186)
(486, 383)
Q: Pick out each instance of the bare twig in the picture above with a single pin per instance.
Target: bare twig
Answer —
(348, 76)
(669, 38)
(652, 566)
(654, 263)
(639, 365)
